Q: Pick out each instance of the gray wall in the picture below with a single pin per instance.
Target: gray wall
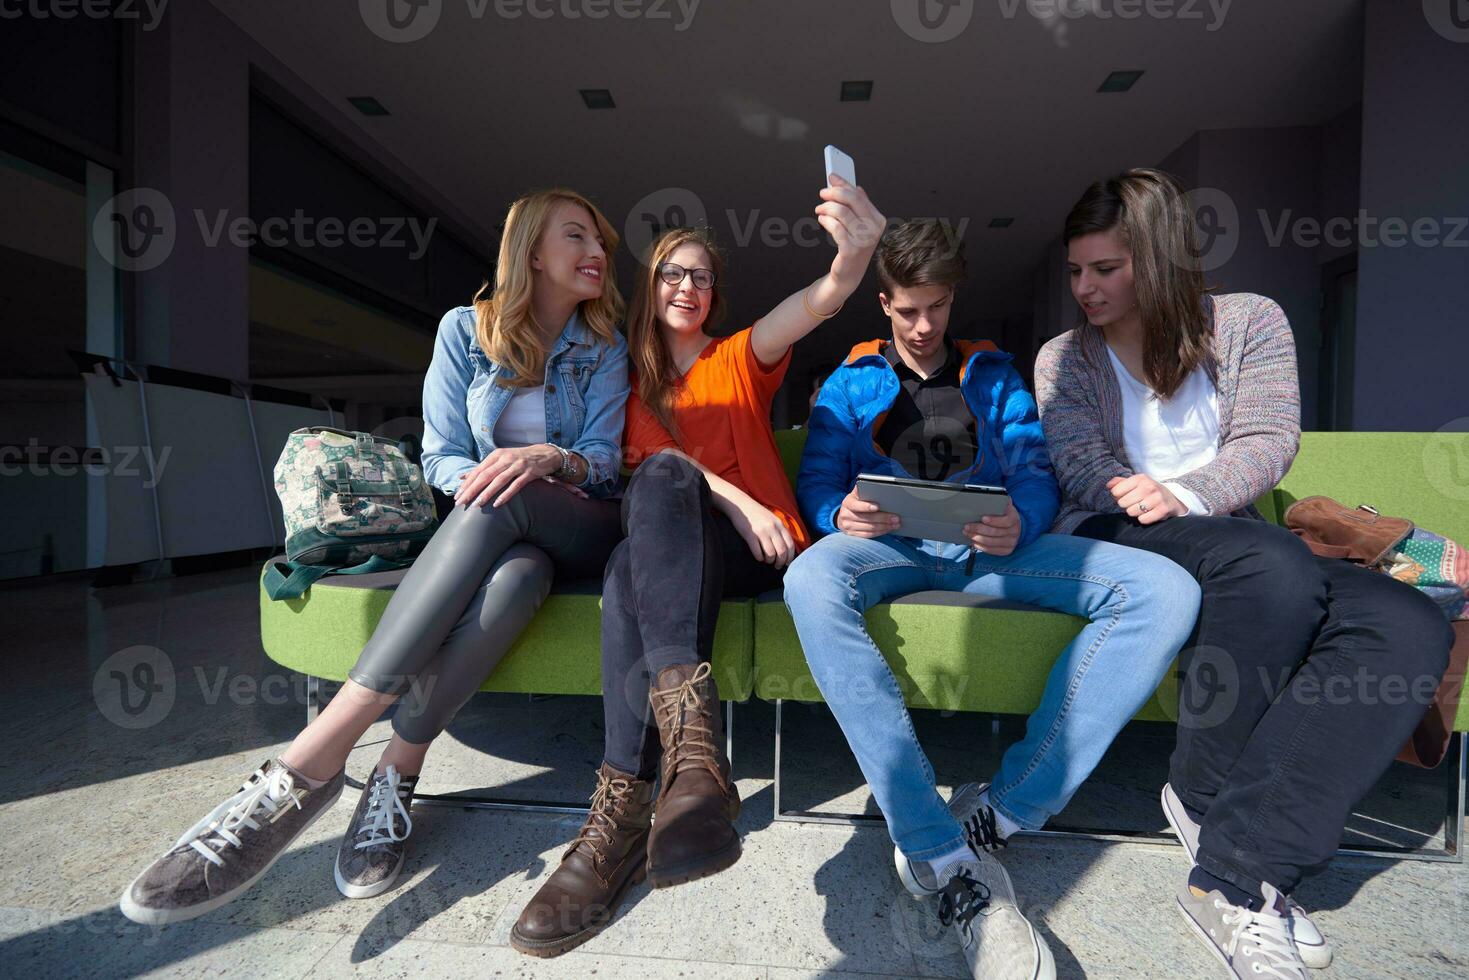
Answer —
(1273, 186)
(1412, 320)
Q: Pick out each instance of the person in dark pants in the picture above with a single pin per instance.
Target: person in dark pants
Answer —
(709, 513)
(1168, 412)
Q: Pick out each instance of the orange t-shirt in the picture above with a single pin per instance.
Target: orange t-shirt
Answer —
(723, 417)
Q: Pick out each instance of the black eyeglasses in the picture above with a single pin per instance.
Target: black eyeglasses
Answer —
(673, 273)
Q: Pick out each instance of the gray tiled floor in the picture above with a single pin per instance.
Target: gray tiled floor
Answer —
(89, 793)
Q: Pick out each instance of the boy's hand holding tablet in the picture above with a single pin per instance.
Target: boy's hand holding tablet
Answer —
(983, 517)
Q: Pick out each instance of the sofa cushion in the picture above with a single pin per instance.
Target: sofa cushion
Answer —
(1423, 476)
(947, 650)
(322, 633)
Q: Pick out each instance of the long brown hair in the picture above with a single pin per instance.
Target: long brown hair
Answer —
(505, 324)
(658, 379)
(1152, 215)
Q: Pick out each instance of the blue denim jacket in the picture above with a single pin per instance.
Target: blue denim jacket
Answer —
(586, 389)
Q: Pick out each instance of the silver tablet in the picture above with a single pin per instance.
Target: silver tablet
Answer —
(932, 509)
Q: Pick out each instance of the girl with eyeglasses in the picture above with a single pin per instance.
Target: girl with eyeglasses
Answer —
(709, 513)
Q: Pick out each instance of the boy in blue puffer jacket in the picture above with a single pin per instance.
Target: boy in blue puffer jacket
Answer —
(923, 406)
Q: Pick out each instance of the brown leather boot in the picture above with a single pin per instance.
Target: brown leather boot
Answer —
(607, 857)
(693, 820)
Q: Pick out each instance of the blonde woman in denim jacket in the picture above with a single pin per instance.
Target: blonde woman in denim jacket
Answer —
(523, 413)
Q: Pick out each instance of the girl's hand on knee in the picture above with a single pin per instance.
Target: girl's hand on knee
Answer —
(766, 535)
(1141, 497)
(501, 474)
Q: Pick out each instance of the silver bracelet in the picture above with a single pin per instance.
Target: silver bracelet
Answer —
(565, 470)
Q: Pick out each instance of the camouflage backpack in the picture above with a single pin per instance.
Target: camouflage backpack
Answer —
(352, 504)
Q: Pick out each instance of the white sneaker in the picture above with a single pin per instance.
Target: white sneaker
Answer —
(981, 833)
(1250, 944)
(999, 943)
(1315, 951)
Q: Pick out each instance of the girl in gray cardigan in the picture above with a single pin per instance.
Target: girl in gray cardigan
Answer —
(1168, 412)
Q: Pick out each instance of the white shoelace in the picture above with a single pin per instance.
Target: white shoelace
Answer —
(1270, 936)
(384, 804)
(260, 793)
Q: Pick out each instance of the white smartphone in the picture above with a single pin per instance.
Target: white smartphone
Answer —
(840, 164)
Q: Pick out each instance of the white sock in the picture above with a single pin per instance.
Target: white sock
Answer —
(944, 865)
(1003, 824)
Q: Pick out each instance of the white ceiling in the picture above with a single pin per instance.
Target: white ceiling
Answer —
(1004, 120)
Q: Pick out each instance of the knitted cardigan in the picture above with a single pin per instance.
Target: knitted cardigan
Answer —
(1254, 371)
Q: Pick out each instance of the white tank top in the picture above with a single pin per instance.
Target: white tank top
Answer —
(1168, 439)
(523, 422)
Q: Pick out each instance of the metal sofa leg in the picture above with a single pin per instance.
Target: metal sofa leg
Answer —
(1455, 770)
(1457, 785)
(477, 802)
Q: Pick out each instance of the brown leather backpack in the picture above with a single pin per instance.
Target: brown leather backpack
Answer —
(1364, 536)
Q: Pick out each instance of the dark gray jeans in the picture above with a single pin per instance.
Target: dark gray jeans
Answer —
(1302, 679)
(661, 596)
(468, 596)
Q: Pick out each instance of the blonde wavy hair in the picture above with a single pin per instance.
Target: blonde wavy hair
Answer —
(658, 380)
(505, 324)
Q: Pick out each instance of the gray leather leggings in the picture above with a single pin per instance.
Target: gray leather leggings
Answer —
(468, 596)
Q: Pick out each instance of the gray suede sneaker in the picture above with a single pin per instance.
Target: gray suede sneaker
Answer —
(372, 852)
(999, 942)
(1314, 949)
(1249, 944)
(236, 843)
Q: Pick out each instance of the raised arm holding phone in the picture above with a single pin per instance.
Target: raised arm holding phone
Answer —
(708, 514)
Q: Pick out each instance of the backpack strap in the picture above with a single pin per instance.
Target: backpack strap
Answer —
(296, 578)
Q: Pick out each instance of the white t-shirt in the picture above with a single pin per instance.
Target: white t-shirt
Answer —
(523, 421)
(1165, 439)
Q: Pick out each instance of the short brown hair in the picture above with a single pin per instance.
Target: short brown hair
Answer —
(920, 252)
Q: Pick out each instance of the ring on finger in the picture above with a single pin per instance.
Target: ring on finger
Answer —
(1142, 508)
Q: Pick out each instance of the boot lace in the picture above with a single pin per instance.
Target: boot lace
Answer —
(683, 712)
(608, 799)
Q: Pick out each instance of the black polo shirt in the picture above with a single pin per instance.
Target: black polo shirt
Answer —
(929, 430)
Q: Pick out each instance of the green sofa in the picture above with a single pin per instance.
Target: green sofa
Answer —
(935, 642)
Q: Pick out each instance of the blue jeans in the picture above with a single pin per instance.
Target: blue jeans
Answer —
(1141, 609)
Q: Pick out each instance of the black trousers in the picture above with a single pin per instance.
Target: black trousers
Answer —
(661, 595)
(1303, 678)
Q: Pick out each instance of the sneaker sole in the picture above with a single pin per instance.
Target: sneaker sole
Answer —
(145, 916)
(1046, 968)
(350, 890)
(905, 875)
(548, 948)
(1317, 956)
(1169, 801)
